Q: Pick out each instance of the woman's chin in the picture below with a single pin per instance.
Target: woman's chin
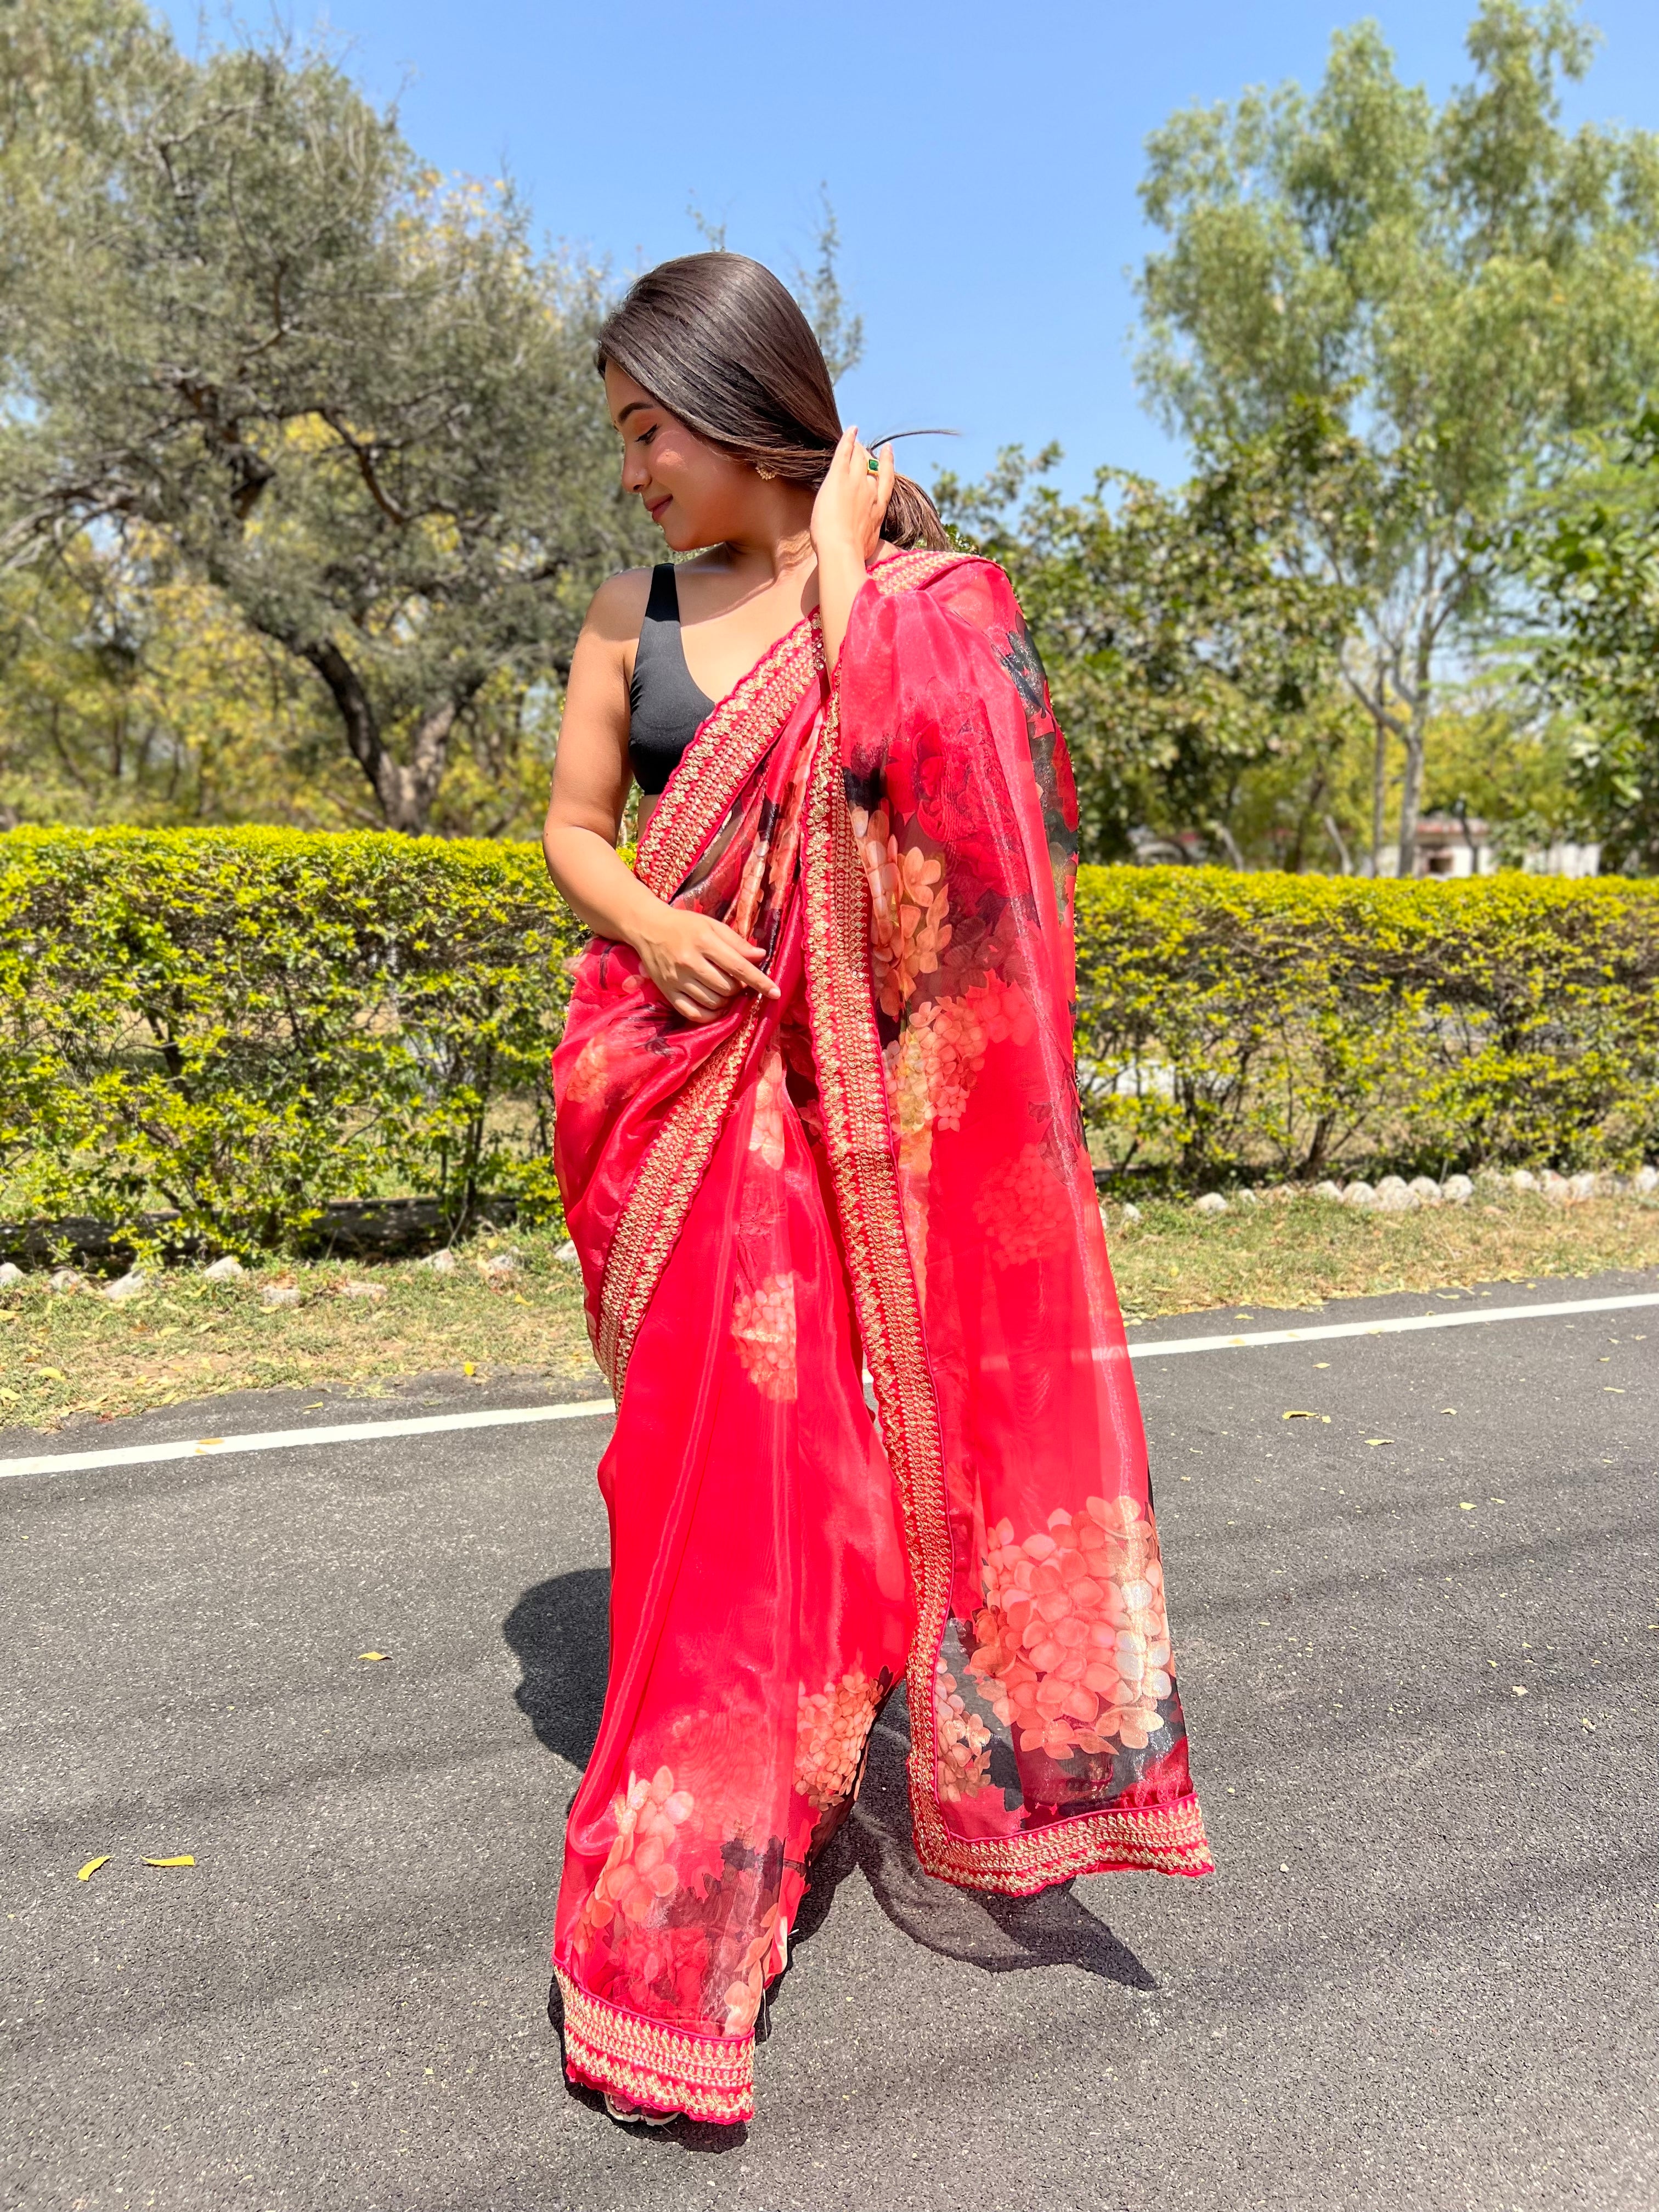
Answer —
(682, 538)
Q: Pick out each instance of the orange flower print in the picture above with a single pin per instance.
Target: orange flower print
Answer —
(763, 1330)
(906, 1061)
(639, 1871)
(932, 1064)
(1024, 1210)
(1072, 1649)
(587, 1080)
(965, 1741)
(660, 1849)
(910, 902)
(766, 1130)
(750, 888)
(831, 1725)
(761, 1958)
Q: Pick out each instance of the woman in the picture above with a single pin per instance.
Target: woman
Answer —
(816, 1116)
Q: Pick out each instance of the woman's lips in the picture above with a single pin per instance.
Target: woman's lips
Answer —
(654, 507)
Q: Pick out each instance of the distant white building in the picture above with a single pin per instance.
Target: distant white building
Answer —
(1450, 846)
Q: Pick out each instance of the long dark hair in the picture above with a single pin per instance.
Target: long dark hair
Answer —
(718, 341)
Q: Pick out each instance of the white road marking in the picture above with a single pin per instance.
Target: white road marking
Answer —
(437, 1424)
(1163, 1349)
(343, 1432)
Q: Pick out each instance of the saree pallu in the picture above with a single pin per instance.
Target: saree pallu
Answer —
(882, 1169)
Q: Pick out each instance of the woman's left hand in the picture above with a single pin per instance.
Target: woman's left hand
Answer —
(852, 503)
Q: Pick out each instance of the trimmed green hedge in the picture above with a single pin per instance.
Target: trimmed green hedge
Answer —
(1289, 1025)
(241, 1024)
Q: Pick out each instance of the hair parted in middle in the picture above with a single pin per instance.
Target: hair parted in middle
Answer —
(718, 341)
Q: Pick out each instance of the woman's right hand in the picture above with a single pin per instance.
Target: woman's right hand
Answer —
(697, 963)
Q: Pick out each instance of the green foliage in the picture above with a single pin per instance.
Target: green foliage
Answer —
(1184, 645)
(124, 698)
(1594, 564)
(242, 328)
(1287, 1023)
(839, 330)
(1495, 758)
(1464, 286)
(241, 1024)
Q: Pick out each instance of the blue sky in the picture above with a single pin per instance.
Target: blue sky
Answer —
(982, 161)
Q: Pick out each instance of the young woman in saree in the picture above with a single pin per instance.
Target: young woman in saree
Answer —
(817, 1117)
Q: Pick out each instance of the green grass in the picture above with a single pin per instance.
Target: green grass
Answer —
(74, 1355)
(1293, 1252)
(65, 1353)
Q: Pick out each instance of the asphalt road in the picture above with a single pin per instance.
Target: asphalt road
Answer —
(1424, 1976)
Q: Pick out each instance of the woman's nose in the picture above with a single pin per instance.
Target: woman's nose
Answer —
(635, 474)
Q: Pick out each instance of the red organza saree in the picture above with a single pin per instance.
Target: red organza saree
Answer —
(884, 1168)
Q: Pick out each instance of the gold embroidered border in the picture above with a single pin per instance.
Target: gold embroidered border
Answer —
(667, 2070)
(1162, 1840)
(852, 1088)
(918, 565)
(661, 1198)
(732, 741)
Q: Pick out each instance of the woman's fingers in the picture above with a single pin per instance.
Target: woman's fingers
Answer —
(740, 960)
(737, 973)
(885, 484)
(704, 976)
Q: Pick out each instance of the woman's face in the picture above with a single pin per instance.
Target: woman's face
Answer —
(695, 495)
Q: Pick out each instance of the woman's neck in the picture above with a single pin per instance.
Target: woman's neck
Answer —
(778, 540)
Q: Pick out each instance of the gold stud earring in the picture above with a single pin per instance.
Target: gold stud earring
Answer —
(766, 475)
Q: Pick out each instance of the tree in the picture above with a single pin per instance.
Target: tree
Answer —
(1184, 648)
(839, 331)
(1462, 286)
(1594, 564)
(129, 697)
(240, 320)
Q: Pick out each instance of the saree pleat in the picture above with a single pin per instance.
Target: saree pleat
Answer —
(883, 1167)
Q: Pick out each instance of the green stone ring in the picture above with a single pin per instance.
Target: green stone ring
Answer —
(872, 465)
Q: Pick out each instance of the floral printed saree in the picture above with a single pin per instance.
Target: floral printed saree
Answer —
(884, 1169)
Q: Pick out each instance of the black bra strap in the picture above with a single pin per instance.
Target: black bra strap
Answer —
(664, 604)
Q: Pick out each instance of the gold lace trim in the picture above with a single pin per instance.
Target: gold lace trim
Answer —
(661, 1197)
(667, 2069)
(919, 566)
(733, 741)
(1161, 1839)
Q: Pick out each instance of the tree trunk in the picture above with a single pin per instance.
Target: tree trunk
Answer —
(1379, 788)
(416, 785)
(1410, 784)
(1417, 739)
(403, 791)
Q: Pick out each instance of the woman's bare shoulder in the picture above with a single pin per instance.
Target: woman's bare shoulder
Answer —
(618, 608)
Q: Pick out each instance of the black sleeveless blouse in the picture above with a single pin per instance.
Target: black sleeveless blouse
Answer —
(665, 707)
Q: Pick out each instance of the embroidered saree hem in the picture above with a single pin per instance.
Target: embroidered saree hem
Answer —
(1168, 1841)
(662, 2069)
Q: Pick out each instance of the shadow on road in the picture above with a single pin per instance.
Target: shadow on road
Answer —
(559, 1631)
